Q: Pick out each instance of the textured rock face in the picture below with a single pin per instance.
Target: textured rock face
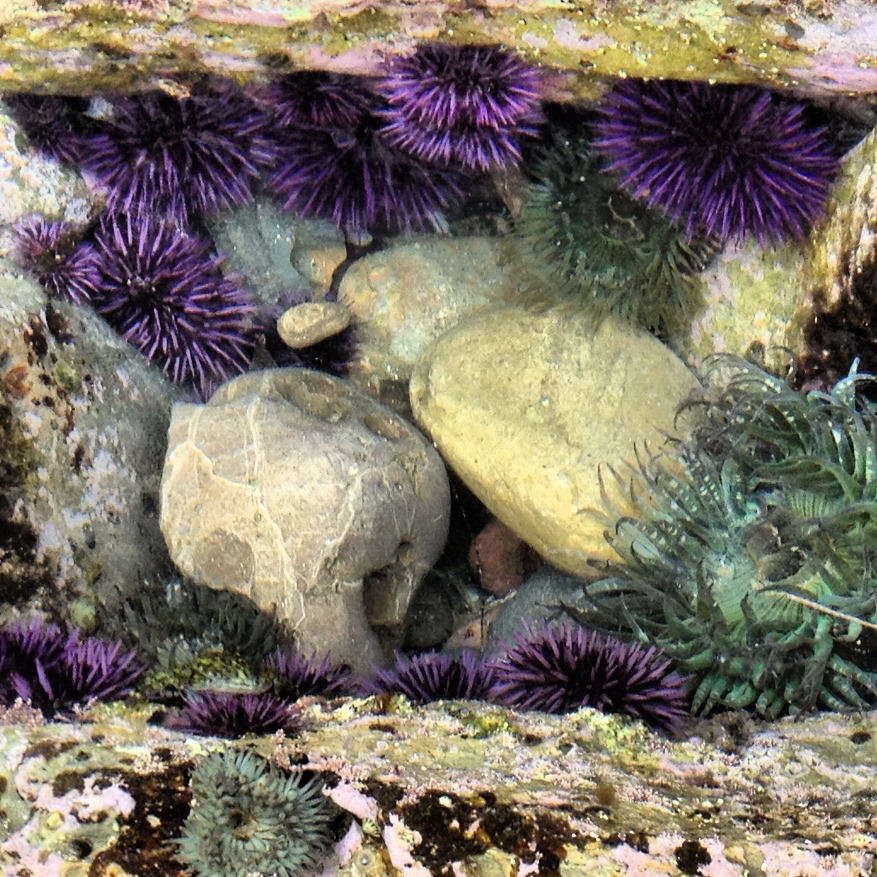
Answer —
(311, 499)
(83, 422)
(527, 407)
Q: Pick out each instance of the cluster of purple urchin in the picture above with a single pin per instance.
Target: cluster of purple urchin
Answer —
(553, 668)
(56, 671)
(366, 156)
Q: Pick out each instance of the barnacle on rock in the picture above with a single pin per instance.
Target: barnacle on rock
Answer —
(580, 235)
(249, 817)
(750, 559)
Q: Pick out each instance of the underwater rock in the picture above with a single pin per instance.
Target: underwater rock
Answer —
(544, 597)
(500, 559)
(527, 406)
(312, 322)
(31, 183)
(837, 313)
(318, 250)
(461, 788)
(83, 424)
(751, 296)
(87, 44)
(303, 494)
(405, 296)
(257, 241)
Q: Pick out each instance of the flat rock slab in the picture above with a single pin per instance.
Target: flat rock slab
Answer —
(467, 789)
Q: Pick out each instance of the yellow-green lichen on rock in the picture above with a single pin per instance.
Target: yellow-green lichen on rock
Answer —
(84, 46)
(101, 791)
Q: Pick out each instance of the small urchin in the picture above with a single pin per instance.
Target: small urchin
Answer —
(232, 714)
(55, 125)
(53, 252)
(250, 817)
(301, 675)
(728, 160)
(316, 99)
(432, 676)
(461, 104)
(164, 293)
(559, 668)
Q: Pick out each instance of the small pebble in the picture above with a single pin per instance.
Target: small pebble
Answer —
(311, 322)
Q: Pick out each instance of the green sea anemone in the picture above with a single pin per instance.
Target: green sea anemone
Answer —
(579, 234)
(249, 817)
(194, 637)
(750, 561)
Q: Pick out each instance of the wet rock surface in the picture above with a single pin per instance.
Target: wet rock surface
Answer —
(83, 424)
(503, 793)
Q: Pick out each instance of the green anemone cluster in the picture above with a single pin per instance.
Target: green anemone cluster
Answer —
(194, 637)
(249, 817)
(752, 558)
(579, 235)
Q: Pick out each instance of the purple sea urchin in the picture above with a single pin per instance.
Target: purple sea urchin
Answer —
(353, 177)
(729, 160)
(55, 672)
(65, 267)
(301, 676)
(436, 676)
(249, 817)
(232, 714)
(175, 155)
(55, 125)
(460, 104)
(164, 293)
(561, 668)
(315, 99)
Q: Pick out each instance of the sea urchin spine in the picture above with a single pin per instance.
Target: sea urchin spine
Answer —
(164, 293)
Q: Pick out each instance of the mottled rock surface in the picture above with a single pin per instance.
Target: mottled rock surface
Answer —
(83, 426)
(527, 406)
(257, 241)
(813, 45)
(308, 497)
(752, 296)
(467, 789)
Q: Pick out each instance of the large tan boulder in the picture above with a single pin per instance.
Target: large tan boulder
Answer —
(528, 407)
(307, 496)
